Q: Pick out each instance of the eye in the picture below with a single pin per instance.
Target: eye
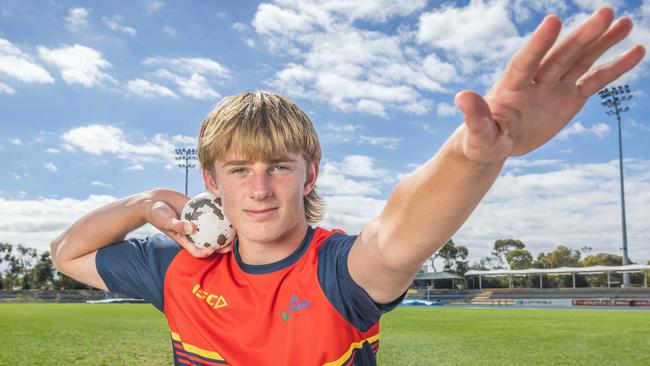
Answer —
(238, 171)
(280, 168)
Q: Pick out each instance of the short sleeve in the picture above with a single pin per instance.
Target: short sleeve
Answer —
(137, 267)
(349, 299)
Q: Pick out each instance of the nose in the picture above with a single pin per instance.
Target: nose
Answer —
(260, 187)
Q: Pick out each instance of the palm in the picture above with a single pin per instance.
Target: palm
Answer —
(535, 113)
(543, 88)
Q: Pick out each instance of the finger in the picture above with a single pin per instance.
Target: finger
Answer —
(614, 34)
(523, 66)
(225, 249)
(563, 56)
(182, 226)
(602, 75)
(182, 240)
(477, 115)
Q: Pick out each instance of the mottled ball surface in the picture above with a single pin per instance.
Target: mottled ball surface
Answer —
(212, 227)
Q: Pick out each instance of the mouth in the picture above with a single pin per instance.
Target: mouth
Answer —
(261, 213)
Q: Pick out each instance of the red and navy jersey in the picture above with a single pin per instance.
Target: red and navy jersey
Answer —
(302, 310)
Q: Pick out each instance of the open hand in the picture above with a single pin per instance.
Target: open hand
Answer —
(543, 87)
(164, 213)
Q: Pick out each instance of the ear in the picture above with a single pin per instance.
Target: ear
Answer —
(312, 175)
(210, 183)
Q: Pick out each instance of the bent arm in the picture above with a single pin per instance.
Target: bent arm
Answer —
(74, 251)
(423, 212)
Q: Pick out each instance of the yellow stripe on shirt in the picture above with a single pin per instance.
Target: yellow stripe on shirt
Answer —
(353, 346)
(199, 351)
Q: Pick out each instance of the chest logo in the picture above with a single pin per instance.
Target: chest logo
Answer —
(294, 306)
(214, 300)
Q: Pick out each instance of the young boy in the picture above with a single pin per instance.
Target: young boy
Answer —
(287, 293)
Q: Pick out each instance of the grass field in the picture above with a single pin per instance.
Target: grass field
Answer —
(134, 334)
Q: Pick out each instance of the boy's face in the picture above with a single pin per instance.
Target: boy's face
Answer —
(263, 199)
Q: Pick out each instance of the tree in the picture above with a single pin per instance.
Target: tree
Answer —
(560, 257)
(42, 275)
(602, 259)
(5, 253)
(21, 263)
(453, 256)
(503, 246)
(519, 259)
(63, 282)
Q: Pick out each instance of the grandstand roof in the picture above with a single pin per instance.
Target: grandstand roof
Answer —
(561, 271)
(437, 276)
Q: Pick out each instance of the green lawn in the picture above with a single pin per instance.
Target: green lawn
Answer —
(47, 334)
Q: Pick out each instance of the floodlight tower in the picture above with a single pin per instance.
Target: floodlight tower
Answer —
(612, 99)
(187, 155)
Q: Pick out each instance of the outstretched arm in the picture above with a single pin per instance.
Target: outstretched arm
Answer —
(74, 251)
(543, 87)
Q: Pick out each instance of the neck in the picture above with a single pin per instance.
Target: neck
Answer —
(257, 252)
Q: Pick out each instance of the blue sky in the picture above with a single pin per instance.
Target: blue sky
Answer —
(94, 96)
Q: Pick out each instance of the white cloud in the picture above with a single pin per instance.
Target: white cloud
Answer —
(599, 130)
(147, 89)
(358, 166)
(154, 5)
(347, 128)
(331, 183)
(523, 9)
(16, 141)
(464, 31)
(4, 88)
(239, 26)
(190, 65)
(52, 151)
(78, 64)
(355, 175)
(16, 176)
(351, 68)
(115, 24)
(391, 143)
(351, 212)
(569, 204)
(593, 5)
(17, 65)
(194, 86)
(77, 19)
(350, 133)
(446, 110)
(69, 148)
(50, 166)
(97, 183)
(184, 140)
(135, 167)
(575, 205)
(636, 125)
(250, 42)
(169, 30)
(109, 140)
(36, 222)
(190, 74)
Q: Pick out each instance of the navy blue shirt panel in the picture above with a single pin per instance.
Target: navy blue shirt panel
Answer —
(349, 299)
(137, 267)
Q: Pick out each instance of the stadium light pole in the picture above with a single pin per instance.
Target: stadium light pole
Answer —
(612, 99)
(186, 155)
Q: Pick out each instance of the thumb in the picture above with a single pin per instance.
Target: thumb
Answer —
(477, 115)
(182, 226)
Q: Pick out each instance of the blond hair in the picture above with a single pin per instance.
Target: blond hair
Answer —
(260, 125)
